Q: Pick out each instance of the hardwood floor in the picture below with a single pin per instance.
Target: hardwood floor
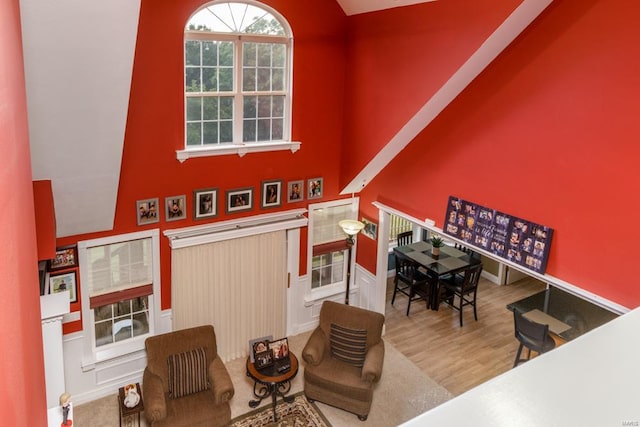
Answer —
(459, 358)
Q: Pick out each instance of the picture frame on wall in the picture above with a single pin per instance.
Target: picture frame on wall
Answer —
(271, 194)
(147, 211)
(66, 257)
(295, 191)
(314, 188)
(239, 200)
(175, 207)
(205, 203)
(62, 282)
(370, 228)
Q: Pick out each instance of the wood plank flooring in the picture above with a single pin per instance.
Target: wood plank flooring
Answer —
(459, 358)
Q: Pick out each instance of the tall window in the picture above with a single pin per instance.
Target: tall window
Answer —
(120, 293)
(237, 76)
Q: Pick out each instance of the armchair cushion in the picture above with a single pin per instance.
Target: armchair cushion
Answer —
(187, 373)
(348, 344)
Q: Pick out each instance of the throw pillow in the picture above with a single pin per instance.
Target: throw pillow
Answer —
(187, 373)
(348, 345)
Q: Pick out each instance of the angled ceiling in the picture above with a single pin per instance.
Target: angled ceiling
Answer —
(354, 7)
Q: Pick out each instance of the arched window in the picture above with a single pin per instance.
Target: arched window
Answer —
(237, 66)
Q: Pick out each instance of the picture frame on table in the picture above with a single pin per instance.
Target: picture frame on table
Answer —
(239, 200)
(62, 282)
(258, 345)
(175, 208)
(271, 194)
(147, 211)
(205, 203)
(314, 188)
(65, 257)
(295, 191)
(279, 348)
(370, 228)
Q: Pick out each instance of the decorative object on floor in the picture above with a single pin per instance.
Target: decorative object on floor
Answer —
(299, 412)
(65, 404)
(345, 381)
(351, 227)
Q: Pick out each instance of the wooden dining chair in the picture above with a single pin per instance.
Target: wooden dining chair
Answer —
(411, 282)
(405, 238)
(464, 288)
(532, 335)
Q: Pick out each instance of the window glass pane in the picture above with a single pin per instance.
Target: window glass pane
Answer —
(226, 79)
(277, 129)
(277, 103)
(192, 52)
(209, 53)
(194, 135)
(278, 56)
(226, 107)
(225, 54)
(277, 80)
(226, 131)
(249, 80)
(192, 80)
(264, 106)
(210, 133)
(264, 55)
(249, 54)
(210, 108)
(209, 80)
(194, 108)
(249, 130)
(264, 130)
(121, 321)
(250, 109)
(264, 79)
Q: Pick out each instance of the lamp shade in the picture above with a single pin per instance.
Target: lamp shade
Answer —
(351, 226)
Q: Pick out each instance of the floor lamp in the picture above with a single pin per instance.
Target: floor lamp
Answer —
(351, 227)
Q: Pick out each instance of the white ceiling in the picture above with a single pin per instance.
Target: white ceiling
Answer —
(354, 7)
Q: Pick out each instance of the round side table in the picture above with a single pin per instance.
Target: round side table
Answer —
(269, 382)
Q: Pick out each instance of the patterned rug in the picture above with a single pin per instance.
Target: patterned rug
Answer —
(299, 413)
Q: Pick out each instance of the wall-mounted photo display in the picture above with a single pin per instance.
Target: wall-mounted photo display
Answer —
(370, 228)
(239, 200)
(175, 207)
(62, 282)
(66, 257)
(271, 194)
(205, 203)
(295, 191)
(314, 188)
(147, 211)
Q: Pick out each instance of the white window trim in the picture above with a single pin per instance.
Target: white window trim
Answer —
(239, 149)
(90, 354)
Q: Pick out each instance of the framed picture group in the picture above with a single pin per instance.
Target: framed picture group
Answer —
(272, 193)
(60, 274)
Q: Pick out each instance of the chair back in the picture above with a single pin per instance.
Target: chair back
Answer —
(471, 279)
(352, 317)
(406, 269)
(405, 238)
(534, 335)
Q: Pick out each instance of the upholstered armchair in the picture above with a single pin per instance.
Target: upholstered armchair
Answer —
(344, 357)
(185, 383)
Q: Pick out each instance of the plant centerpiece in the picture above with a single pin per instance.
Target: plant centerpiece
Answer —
(436, 244)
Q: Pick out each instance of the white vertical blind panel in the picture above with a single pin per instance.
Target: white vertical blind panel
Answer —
(238, 286)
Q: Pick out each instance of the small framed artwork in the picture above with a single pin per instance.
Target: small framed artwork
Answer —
(147, 211)
(257, 346)
(314, 188)
(66, 257)
(239, 200)
(64, 282)
(295, 191)
(205, 203)
(175, 208)
(271, 194)
(279, 348)
(370, 228)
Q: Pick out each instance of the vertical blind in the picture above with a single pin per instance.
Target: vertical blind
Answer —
(238, 286)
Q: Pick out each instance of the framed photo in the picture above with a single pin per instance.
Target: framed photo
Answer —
(271, 194)
(370, 229)
(279, 348)
(314, 188)
(239, 200)
(205, 203)
(262, 354)
(64, 282)
(295, 191)
(147, 211)
(175, 208)
(66, 257)
(258, 345)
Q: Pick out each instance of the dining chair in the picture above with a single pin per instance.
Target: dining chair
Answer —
(411, 282)
(405, 238)
(465, 288)
(532, 335)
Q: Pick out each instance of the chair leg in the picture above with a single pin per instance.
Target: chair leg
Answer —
(515, 363)
(461, 305)
(410, 298)
(395, 289)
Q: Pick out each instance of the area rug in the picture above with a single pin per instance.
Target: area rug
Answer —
(299, 413)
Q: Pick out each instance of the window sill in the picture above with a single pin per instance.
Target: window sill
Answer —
(239, 149)
(322, 294)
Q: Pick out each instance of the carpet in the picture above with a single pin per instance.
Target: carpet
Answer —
(298, 413)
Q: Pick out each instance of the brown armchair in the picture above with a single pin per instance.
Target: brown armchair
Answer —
(344, 358)
(185, 383)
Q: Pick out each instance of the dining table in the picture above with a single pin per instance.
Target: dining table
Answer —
(448, 262)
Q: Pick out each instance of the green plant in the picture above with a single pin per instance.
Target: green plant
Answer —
(436, 241)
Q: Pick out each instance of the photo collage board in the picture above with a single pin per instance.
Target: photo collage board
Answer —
(517, 240)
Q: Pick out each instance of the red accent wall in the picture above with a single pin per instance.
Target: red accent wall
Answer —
(22, 364)
(45, 219)
(548, 132)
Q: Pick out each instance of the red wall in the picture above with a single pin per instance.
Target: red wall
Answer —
(549, 132)
(155, 124)
(22, 390)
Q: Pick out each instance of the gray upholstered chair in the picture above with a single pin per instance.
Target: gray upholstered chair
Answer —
(344, 357)
(185, 383)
